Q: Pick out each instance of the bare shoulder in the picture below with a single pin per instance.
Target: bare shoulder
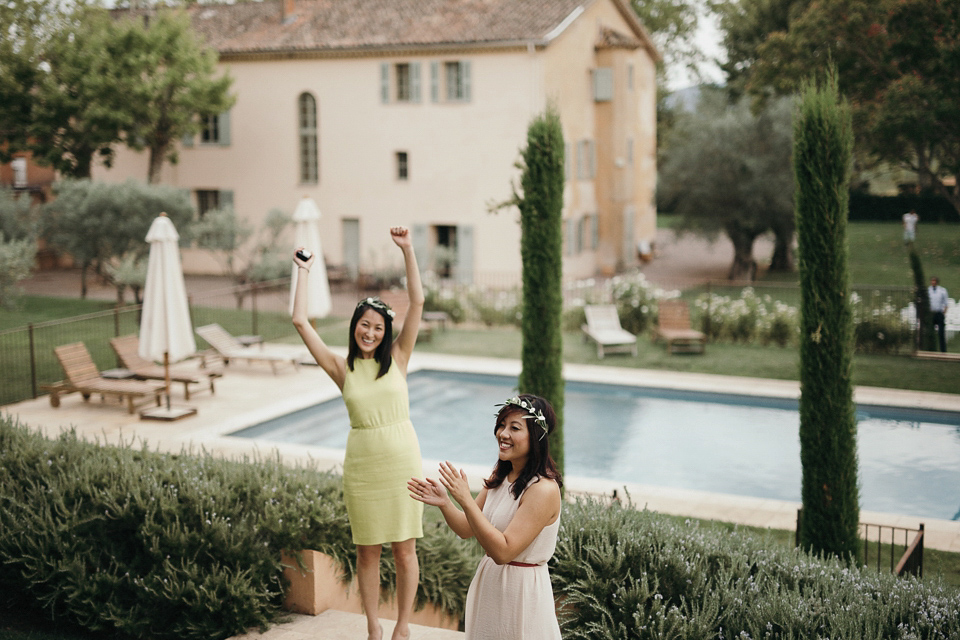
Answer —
(545, 491)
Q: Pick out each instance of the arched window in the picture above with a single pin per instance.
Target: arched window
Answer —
(307, 108)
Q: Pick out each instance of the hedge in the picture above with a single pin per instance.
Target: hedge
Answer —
(628, 574)
(127, 541)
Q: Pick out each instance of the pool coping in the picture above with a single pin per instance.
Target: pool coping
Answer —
(248, 395)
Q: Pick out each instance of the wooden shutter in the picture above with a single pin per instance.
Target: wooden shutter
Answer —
(465, 254)
(384, 82)
(223, 128)
(414, 82)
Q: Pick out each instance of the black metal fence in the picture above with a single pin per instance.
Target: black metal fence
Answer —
(883, 316)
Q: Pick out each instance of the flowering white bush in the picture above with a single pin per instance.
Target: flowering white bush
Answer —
(747, 318)
(879, 325)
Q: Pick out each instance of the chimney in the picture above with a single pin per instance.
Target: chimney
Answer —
(287, 7)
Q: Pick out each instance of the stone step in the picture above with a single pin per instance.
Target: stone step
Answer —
(340, 625)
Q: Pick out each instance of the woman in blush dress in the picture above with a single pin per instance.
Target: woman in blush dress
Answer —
(515, 518)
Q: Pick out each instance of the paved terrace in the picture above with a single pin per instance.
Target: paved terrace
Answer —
(249, 394)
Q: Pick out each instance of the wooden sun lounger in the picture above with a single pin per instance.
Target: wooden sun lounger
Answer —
(229, 348)
(127, 349)
(83, 377)
(673, 327)
(603, 327)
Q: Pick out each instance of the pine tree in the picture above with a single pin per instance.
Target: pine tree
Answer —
(822, 148)
(541, 247)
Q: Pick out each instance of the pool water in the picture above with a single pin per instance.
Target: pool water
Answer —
(742, 445)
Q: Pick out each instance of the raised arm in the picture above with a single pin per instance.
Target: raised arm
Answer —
(407, 339)
(334, 365)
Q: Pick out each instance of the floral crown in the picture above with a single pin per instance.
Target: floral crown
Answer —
(377, 303)
(536, 414)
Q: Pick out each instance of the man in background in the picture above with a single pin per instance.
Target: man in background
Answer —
(938, 310)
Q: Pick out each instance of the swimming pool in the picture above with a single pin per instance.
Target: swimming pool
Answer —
(741, 445)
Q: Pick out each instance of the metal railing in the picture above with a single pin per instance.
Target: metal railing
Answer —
(873, 537)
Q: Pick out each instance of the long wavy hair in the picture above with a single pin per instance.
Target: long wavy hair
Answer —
(539, 462)
(382, 352)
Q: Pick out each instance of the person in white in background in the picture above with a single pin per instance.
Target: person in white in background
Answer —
(938, 310)
(910, 220)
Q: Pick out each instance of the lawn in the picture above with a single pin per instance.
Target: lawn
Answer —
(879, 257)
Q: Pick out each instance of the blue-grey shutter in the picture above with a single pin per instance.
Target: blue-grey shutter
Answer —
(223, 125)
(435, 81)
(570, 236)
(466, 80)
(384, 82)
(465, 254)
(603, 84)
(415, 82)
(420, 243)
(594, 231)
(187, 140)
(226, 199)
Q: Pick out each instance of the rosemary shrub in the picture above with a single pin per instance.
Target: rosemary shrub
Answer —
(141, 544)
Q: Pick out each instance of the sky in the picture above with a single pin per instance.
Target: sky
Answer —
(708, 39)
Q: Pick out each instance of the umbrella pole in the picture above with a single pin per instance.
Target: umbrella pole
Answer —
(166, 372)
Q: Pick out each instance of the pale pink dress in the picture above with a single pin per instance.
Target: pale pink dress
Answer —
(507, 602)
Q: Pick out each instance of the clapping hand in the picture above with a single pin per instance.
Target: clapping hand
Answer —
(427, 491)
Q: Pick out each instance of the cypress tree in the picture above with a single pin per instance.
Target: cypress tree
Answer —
(822, 148)
(921, 299)
(541, 247)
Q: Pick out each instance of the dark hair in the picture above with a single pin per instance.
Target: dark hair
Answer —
(382, 352)
(539, 462)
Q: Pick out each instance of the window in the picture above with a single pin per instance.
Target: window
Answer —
(211, 130)
(456, 81)
(403, 170)
(405, 85)
(630, 77)
(309, 164)
(445, 250)
(586, 160)
(207, 200)
(453, 85)
(403, 82)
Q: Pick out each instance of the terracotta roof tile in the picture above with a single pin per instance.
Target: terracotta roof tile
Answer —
(356, 24)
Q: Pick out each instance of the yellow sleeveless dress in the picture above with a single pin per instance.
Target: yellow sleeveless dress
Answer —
(382, 455)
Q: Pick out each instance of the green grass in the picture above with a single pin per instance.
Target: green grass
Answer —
(879, 257)
(37, 309)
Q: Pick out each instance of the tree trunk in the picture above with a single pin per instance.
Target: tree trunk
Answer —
(157, 154)
(744, 267)
(782, 259)
(83, 280)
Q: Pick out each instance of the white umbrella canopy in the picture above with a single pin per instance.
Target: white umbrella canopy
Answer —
(166, 332)
(306, 232)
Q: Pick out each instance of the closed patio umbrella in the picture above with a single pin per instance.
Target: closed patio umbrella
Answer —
(306, 230)
(166, 332)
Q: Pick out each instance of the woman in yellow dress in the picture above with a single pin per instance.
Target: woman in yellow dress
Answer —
(382, 448)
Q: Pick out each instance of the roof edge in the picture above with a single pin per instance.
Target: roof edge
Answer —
(227, 55)
(566, 22)
(641, 31)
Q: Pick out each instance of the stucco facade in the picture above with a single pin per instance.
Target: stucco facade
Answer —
(460, 134)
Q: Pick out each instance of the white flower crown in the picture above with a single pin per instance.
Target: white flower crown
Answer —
(377, 303)
(536, 414)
